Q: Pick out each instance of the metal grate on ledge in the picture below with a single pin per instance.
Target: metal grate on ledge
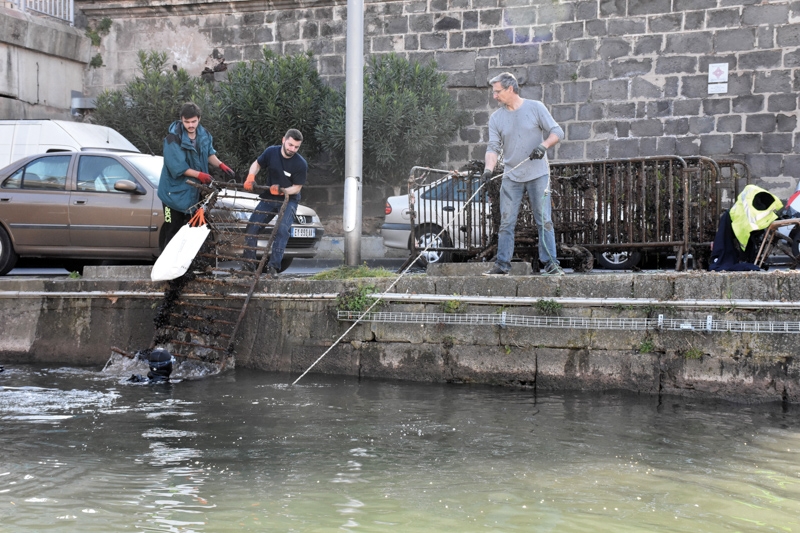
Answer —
(707, 324)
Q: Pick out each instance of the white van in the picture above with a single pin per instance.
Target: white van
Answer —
(20, 138)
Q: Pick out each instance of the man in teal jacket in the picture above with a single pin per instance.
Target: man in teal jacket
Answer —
(188, 150)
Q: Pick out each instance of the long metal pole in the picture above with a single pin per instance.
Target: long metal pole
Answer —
(354, 132)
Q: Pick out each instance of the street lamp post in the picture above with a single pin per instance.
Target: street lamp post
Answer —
(354, 132)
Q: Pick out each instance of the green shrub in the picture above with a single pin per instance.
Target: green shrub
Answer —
(96, 61)
(262, 99)
(409, 116)
(149, 103)
(251, 110)
(409, 119)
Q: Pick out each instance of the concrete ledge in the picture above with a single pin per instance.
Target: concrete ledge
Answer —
(132, 272)
(474, 269)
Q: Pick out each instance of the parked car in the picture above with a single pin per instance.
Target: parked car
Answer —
(89, 206)
(439, 205)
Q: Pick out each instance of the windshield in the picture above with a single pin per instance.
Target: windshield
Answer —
(148, 165)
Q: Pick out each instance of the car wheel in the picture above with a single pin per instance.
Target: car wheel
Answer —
(8, 257)
(429, 235)
(286, 262)
(618, 260)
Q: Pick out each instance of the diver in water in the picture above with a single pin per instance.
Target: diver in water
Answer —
(160, 362)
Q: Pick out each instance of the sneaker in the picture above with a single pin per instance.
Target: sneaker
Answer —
(270, 272)
(495, 271)
(552, 269)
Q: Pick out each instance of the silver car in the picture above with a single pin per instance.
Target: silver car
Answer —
(88, 206)
(445, 222)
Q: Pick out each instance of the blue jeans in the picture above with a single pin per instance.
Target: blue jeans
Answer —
(264, 212)
(511, 194)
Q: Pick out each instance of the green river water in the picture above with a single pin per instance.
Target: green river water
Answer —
(82, 450)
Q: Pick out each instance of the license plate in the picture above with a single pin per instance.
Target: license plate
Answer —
(303, 232)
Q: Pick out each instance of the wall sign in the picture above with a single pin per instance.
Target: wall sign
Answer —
(717, 78)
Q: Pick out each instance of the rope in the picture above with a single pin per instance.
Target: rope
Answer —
(199, 218)
(403, 273)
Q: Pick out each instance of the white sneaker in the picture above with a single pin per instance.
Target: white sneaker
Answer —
(552, 269)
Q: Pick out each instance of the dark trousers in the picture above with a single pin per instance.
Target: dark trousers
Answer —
(263, 214)
(173, 220)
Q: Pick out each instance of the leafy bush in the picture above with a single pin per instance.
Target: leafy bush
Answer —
(409, 119)
(148, 104)
(245, 114)
(263, 99)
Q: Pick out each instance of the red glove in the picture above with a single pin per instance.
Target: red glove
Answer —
(227, 170)
(249, 182)
(204, 178)
(275, 190)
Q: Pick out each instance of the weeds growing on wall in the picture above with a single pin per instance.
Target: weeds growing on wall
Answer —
(454, 306)
(96, 32)
(647, 346)
(357, 300)
(693, 353)
(548, 307)
(348, 272)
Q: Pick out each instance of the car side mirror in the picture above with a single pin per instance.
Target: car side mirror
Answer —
(129, 186)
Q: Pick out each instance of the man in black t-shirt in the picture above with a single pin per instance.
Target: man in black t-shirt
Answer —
(286, 174)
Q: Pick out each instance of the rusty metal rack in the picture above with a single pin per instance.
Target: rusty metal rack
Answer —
(437, 199)
(665, 203)
(200, 314)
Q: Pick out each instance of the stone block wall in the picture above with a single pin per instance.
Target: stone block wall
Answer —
(624, 78)
(42, 61)
(290, 323)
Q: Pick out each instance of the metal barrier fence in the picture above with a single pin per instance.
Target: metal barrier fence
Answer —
(438, 199)
(60, 9)
(657, 203)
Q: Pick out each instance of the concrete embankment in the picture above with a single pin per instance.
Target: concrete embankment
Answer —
(593, 334)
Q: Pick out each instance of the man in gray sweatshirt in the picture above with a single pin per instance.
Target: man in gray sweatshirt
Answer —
(522, 130)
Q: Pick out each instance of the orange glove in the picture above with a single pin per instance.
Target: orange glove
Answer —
(204, 178)
(249, 182)
(275, 190)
